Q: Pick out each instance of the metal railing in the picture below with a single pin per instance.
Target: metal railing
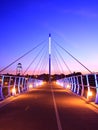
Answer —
(12, 85)
(83, 85)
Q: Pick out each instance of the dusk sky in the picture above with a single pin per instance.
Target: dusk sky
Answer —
(72, 23)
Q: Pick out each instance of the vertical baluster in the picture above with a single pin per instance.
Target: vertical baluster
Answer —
(96, 83)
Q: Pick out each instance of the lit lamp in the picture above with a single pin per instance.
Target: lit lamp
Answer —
(13, 91)
(6, 83)
(30, 86)
(57, 82)
(68, 86)
(61, 84)
(37, 84)
(89, 95)
(41, 83)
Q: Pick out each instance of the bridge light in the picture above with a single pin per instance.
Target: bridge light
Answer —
(6, 83)
(68, 86)
(42, 83)
(89, 94)
(61, 84)
(37, 84)
(13, 91)
(57, 82)
(30, 86)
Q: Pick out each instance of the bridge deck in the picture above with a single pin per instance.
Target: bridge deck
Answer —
(47, 108)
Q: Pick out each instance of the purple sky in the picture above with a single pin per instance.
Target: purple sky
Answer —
(72, 23)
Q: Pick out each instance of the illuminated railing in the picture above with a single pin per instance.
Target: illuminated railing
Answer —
(12, 85)
(83, 85)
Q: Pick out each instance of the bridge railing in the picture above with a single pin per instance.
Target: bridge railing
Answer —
(12, 85)
(83, 85)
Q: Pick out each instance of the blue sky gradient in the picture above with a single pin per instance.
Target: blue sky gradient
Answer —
(72, 23)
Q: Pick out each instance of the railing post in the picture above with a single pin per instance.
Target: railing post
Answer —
(87, 85)
(26, 84)
(22, 84)
(19, 84)
(96, 83)
(74, 85)
(14, 93)
(9, 84)
(1, 87)
(64, 82)
(69, 80)
(28, 81)
(33, 83)
(78, 85)
(82, 86)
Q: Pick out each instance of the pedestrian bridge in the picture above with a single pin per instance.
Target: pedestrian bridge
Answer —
(47, 107)
(29, 103)
(83, 85)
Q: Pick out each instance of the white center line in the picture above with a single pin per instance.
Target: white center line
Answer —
(56, 111)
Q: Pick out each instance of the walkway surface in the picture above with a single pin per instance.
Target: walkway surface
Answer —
(48, 107)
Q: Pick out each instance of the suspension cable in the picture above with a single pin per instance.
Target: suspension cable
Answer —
(33, 60)
(59, 62)
(63, 60)
(22, 56)
(42, 63)
(38, 62)
(73, 57)
(45, 66)
(53, 68)
(56, 62)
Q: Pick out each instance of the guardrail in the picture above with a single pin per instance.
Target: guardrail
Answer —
(12, 85)
(83, 85)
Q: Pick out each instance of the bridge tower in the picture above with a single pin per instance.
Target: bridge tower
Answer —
(49, 58)
(19, 69)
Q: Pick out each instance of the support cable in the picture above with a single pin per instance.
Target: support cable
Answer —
(43, 64)
(63, 60)
(33, 61)
(73, 57)
(38, 63)
(22, 56)
(56, 63)
(53, 68)
(59, 62)
(45, 67)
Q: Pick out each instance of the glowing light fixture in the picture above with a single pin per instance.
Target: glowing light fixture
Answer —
(6, 83)
(37, 84)
(42, 83)
(68, 86)
(57, 83)
(89, 94)
(61, 84)
(13, 91)
(30, 86)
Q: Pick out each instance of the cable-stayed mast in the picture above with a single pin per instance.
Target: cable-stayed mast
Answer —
(49, 58)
